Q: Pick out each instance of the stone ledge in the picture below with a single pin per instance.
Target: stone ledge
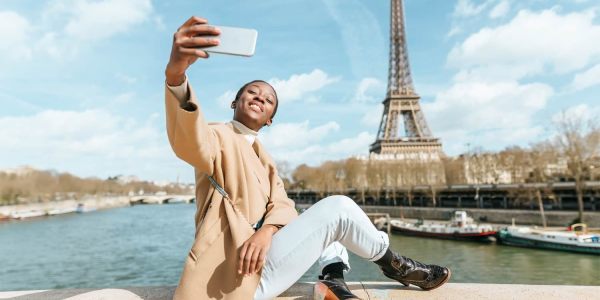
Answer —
(365, 290)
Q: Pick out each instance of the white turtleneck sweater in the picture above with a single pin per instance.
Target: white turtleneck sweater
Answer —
(248, 133)
(181, 93)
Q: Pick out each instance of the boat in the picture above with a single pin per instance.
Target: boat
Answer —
(81, 208)
(25, 214)
(4, 217)
(61, 211)
(575, 239)
(460, 227)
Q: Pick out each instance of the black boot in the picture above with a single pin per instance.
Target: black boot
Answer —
(331, 285)
(408, 271)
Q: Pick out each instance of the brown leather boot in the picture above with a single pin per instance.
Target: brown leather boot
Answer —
(408, 271)
(332, 288)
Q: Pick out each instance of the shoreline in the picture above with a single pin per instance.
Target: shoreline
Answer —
(497, 218)
(51, 208)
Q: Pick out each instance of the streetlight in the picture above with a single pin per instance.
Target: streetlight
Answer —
(340, 175)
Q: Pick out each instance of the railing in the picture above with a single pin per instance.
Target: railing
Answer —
(555, 196)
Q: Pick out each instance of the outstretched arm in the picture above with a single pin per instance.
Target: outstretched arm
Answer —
(189, 135)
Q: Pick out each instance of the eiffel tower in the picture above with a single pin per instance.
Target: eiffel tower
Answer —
(403, 132)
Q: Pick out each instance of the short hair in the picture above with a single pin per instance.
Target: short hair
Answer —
(241, 90)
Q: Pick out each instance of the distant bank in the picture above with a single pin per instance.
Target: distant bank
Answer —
(32, 210)
(501, 216)
(488, 215)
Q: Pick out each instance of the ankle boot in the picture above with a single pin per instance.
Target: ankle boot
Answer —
(408, 271)
(332, 288)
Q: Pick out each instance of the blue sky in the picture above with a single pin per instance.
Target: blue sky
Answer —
(81, 81)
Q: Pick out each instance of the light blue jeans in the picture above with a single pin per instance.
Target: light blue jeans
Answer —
(321, 233)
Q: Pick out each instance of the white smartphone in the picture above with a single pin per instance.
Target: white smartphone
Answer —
(235, 41)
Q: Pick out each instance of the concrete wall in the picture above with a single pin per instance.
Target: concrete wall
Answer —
(522, 217)
(92, 202)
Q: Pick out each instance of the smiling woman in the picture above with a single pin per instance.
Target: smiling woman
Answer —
(249, 240)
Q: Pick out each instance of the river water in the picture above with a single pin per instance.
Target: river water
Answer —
(145, 246)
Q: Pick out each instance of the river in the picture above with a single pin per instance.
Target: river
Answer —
(145, 245)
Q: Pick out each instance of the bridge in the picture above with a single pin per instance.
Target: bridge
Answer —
(161, 199)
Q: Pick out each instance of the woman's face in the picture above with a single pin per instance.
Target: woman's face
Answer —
(255, 106)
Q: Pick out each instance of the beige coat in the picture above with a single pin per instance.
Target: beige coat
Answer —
(249, 177)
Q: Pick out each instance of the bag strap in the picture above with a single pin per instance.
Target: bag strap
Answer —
(223, 193)
(219, 188)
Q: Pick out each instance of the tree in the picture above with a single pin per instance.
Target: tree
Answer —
(285, 172)
(579, 142)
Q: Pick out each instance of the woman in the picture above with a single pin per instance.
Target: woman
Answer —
(249, 240)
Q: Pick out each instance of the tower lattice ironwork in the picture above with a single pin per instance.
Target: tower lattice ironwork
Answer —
(403, 132)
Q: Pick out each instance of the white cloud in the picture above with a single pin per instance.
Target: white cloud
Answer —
(226, 98)
(119, 101)
(483, 106)
(361, 34)
(89, 142)
(466, 8)
(160, 24)
(350, 146)
(126, 78)
(366, 89)
(495, 140)
(454, 30)
(587, 78)
(98, 20)
(491, 113)
(296, 135)
(313, 99)
(582, 112)
(297, 143)
(489, 103)
(66, 26)
(14, 33)
(532, 43)
(299, 85)
(372, 116)
(500, 10)
(54, 47)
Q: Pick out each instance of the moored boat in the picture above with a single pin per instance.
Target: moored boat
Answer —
(81, 208)
(62, 211)
(27, 214)
(576, 239)
(4, 217)
(460, 227)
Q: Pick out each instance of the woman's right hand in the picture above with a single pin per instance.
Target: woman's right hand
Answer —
(194, 33)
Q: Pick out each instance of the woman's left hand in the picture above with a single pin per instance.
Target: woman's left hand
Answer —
(254, 250)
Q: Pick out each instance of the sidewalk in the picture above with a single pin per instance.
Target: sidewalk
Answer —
(365, 290)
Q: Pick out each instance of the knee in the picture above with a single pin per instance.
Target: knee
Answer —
(340, 203)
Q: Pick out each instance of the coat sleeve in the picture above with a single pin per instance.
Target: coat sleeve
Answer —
(280, 209)
(190, 137)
